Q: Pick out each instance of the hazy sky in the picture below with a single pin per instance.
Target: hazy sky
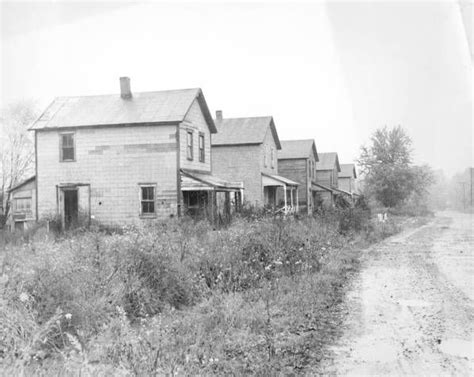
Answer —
(333, 72)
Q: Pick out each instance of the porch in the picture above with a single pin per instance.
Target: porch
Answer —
(280, 193)
(207, 196)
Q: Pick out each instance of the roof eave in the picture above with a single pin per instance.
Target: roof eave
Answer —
(164, 123)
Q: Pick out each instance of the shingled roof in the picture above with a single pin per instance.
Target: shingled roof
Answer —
(327, 161)
(294, 149)
(163, 107)
(348, 171)
(235, 131)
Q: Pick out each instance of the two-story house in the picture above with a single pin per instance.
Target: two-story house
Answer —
(125, 158)
(327, 172)
(297, 161)
(348, 178)
(245, 149)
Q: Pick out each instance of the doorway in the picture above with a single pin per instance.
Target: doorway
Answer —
(71, 208)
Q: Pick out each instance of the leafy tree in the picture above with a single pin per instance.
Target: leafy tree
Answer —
(17, 148)
(388, 171)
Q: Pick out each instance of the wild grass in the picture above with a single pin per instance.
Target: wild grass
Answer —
(259, 297)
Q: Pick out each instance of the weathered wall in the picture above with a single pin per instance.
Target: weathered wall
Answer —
(268, 145)
(114, 161)
(240, 163)
(346, 183)
(196, 123)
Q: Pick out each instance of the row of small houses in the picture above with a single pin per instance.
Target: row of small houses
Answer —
(135, 157)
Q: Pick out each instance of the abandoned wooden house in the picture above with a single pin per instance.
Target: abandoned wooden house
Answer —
(22, 205)
(245, 149)
(347, 179)
(327, 171)
(297, 161)
(126, 158)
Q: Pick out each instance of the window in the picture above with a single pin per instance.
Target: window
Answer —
(189, 141)
(201, 147)
(272, 157)
(265, 157)
(67, 147)
(147, 200)
(22, 205)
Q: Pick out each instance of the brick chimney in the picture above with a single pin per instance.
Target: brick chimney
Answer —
(219, 115)
(125, 91)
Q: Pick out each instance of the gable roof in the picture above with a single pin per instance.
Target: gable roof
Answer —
(327, 161)
(169, 106)
(22, 183)
(348, 171)
(235, 131)
(294, 149)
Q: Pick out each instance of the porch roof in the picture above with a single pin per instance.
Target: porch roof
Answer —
(320, 187)
(277, 180)
(192, 181)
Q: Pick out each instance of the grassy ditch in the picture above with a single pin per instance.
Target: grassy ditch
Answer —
(260, 297)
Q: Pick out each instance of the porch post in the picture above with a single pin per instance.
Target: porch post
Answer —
(284, 195)
(227, 205)
(291, 197)
(297, 201)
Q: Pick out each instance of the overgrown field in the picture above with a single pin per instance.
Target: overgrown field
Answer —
(259, 297)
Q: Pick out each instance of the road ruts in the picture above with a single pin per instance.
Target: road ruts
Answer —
(411, 309)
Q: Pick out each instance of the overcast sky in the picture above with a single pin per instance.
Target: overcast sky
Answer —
(330, 72)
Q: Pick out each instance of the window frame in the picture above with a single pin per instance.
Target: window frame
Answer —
(202, 151)
(190, 145)
(141, 186)
(25, 199)
(61, 146)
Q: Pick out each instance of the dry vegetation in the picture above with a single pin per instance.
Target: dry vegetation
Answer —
(259, 297)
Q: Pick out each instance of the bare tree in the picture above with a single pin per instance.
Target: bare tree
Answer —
(17, 148)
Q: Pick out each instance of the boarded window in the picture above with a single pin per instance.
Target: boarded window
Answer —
(147, 199)
(21, 205)
(67, 147)
(189, 141)
(201, 148)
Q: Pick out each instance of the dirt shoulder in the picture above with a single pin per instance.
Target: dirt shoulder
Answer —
(410, 310)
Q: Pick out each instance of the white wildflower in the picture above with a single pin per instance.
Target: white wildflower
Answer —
(68, 316)
(23, 297)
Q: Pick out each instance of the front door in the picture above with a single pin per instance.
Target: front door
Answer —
(70, 208)
(269, 193)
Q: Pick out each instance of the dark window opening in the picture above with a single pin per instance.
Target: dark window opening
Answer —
(148, 200)
(189, 141)
(201, 148)
(67, 147)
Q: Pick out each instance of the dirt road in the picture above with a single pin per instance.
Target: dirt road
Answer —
(410, 311)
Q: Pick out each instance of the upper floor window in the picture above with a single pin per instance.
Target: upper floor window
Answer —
(147, 200)
(22, 205)
(67, 148)
(272, 157)
(202, 155)
(189, 145)
(265, 157)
